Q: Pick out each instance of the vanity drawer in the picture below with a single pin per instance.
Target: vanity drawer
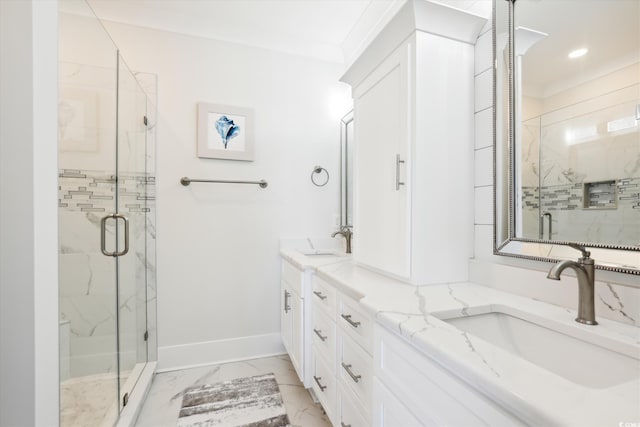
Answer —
(355, 322)
(355, 371)
(323, 334)
(350, 413)
(388, 411)
(293, 276)
(324, 386)
(323, 296)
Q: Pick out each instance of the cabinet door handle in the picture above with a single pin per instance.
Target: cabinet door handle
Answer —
(319, 295)
(317, 380)
(342, 424)
(347, 317)
(354, 377)
(398, 182)
(286, 301)
(319, 333)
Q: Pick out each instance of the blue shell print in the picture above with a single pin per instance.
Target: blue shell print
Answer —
(227, 129)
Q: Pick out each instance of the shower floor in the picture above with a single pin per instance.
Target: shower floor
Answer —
(92, 400)
(89, 401)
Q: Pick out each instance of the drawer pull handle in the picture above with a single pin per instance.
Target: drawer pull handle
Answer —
(342, 424)
(319, 295)
(319, 334)
(354, 377)
(317, 380)
(347, 317)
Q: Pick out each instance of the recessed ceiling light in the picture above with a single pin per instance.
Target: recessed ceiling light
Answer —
(578, 53)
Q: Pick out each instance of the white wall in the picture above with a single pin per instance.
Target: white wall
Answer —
(617, 295)
(218, 263)
(28, 214)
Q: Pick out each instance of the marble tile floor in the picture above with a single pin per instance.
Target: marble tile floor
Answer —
(165, 396)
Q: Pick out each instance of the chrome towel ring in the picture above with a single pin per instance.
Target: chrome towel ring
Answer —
(317, 179)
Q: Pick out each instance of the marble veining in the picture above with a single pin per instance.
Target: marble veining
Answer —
(616, 305)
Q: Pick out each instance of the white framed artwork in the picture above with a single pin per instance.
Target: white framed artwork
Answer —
(225, 132)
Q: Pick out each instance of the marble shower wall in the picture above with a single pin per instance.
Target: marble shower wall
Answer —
(586, 158)
(88, 278)
(89, 300)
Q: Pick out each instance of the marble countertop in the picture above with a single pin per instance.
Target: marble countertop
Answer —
(532, 393)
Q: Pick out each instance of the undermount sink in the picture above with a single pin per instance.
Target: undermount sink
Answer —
(572, 358)
(320, 252)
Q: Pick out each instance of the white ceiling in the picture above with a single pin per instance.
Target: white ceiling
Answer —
(316, 28)
(610, 29)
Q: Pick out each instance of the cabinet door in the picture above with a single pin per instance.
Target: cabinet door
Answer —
(286, 318)
(381, 108)
(388, 411)
(296, 351)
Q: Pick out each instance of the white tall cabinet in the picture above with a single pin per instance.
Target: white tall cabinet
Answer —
(413, 124)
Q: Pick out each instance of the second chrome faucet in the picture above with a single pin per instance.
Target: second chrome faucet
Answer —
(347, 234)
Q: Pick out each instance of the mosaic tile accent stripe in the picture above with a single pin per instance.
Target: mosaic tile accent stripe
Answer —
(94, 191)
(570, 196)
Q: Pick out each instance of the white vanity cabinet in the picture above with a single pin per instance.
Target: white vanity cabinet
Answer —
(413, 91)
(341, 347)
(430, 395)
(292, 316)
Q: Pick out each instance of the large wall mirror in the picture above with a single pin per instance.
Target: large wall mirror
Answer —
(567, 130)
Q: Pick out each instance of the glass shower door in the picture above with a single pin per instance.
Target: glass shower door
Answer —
(86, 179)
(106, 228)
(131, 201)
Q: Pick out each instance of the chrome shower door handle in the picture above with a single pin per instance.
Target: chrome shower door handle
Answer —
(398, 182)
(103, 235)
(541, 225)
(126, 234)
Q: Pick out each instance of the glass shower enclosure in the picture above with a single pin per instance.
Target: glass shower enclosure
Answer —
(107, 221)
(580, 171)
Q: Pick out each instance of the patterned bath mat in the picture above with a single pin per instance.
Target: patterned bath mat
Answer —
(243, 402)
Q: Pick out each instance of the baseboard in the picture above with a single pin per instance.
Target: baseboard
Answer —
(222, 351)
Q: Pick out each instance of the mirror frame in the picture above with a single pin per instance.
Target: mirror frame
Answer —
(505, 241)
(345, 122)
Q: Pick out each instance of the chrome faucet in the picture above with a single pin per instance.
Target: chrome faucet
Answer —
(585, 272)
(347, 234)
